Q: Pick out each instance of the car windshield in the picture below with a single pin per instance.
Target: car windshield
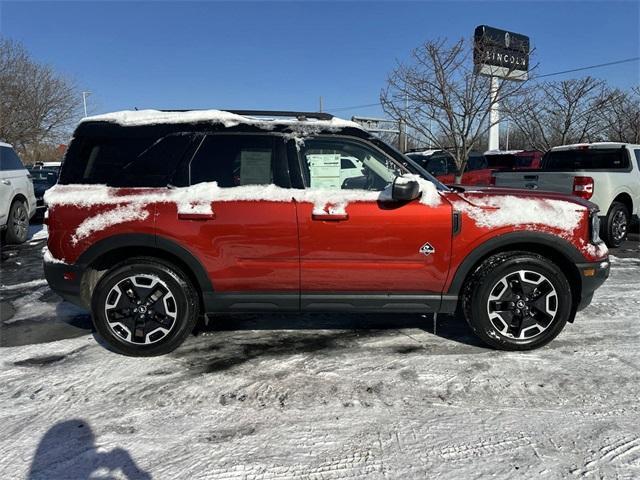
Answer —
(44, 177)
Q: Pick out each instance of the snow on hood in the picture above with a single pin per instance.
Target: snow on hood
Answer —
(129, 118)
(506, 209)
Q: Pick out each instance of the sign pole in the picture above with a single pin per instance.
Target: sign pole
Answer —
(494, 117)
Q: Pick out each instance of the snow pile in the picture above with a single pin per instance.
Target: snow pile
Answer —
(130, 118)
(48, 257)
(128, 213)
(20, 286)
(502, 211)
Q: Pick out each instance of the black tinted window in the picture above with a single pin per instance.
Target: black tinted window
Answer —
(125, 161)
(9, 160)
(234, 160)
(587, 159)
(637, 152)
(477, 162)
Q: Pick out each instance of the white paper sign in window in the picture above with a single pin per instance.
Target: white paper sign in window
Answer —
(255, 167)
(324, 169)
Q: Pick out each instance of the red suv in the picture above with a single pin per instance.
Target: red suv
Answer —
(162, 216)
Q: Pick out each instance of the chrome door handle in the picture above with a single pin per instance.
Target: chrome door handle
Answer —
(6, 182)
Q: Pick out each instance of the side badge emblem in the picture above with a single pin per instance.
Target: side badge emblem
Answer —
(427, 249)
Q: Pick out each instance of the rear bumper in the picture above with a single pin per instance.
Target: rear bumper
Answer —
(65, 280)
(592, 275)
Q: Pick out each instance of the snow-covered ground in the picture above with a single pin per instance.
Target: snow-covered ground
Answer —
(324, 397)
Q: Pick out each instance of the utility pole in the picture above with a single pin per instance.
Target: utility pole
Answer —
(84, 101)
(320, 104)
(494, 117)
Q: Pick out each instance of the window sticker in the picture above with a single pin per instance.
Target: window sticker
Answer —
(324, 169)
(255, 167)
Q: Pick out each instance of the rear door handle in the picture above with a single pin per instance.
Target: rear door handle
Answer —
(330, 217)
(197, 216)
(6, 182)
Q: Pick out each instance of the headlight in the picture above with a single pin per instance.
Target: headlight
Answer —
(595, 228)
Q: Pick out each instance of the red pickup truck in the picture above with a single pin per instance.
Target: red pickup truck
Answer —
(159, 217)
(479, 168)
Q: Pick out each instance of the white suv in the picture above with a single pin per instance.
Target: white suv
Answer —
(17, 199)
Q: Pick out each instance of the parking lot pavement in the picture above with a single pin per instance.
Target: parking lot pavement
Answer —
(29, 311)
(318, 396)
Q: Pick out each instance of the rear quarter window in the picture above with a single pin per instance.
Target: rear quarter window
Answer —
(125, 161)
(9, 160)
(587, 159)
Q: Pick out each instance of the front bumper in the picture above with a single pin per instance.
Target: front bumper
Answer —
(65, 280)
(592, 275)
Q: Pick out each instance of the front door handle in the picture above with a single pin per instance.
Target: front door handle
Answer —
(6, 182)
(197, 216)
(330, 217)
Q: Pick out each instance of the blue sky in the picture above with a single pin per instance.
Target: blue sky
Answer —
(284, 55)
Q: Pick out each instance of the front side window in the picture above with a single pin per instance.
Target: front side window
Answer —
(9, 160)
(236, 160)
(345, 164)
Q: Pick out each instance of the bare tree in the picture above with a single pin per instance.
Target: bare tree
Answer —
(440, 97)
(560, 112)
(37, 104)
(622, 117)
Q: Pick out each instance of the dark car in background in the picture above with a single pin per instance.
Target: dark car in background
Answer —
(43, 179)
(480, 167)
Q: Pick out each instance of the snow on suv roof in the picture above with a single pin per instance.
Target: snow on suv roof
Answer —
(2, 144)
(502, 152)
(228, 119)
(591, 145)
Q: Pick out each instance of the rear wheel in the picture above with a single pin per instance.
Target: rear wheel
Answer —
(517, 301)
(17, 223)
(144, 307)
(616, 225)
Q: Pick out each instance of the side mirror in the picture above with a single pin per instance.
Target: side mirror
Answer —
(404, 190)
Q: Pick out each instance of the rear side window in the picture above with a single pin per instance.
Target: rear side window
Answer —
(236, 160)
(637, 152)
(125, 161)
(587, 159)
(9, 160)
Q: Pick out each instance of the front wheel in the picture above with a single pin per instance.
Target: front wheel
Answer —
(144, 307)
(517, 301)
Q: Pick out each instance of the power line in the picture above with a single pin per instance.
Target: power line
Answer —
(617, 62)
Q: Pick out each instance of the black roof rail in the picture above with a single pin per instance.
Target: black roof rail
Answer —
(268, 113)
(278, 113)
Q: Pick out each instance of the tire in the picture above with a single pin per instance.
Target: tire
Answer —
(505, 321)
(17, 223)
(144, 307)
(616, 225)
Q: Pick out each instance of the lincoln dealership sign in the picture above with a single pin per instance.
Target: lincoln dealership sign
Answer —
(499, 53)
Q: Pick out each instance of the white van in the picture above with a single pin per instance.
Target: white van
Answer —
(17, 199)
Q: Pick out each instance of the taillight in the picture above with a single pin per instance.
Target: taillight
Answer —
(583, 187)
